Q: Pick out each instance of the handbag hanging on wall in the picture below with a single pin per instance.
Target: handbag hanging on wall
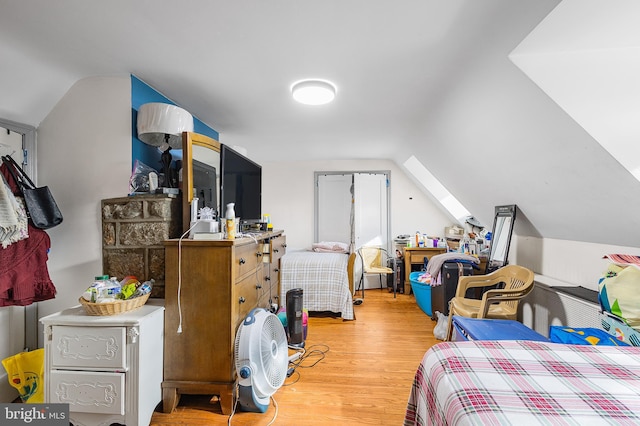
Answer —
(41, 206)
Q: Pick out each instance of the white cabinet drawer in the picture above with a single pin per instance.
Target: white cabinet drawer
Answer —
(101, 348)
(88, 391)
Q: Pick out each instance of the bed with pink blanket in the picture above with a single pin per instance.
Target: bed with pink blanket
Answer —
(525, 383)
(323, 278)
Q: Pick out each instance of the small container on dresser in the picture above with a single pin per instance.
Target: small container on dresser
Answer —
(107, 368)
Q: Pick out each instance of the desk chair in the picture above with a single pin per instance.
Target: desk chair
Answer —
(501, 303)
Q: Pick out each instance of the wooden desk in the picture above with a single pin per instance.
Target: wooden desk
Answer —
(415, 256)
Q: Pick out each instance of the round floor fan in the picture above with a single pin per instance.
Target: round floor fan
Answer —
(261, 354)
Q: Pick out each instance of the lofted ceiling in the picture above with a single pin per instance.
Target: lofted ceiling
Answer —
(430, 78)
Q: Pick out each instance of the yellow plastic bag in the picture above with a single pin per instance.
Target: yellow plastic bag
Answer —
(26, 372)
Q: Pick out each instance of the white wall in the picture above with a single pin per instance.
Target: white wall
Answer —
(11, 343)
(84, 156)
(562, 262)
(288, 196)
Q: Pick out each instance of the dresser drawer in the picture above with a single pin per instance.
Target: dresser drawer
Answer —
(246, 296)
(418, 256)
(97, 348)
(278, 247)
(88, 391)
(247, 259)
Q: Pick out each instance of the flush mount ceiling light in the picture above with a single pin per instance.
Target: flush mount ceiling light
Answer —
(313, 92)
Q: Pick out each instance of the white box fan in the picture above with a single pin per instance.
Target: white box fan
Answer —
(261, 353)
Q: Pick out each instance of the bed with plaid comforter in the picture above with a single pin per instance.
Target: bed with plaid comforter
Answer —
(525, 383)
(323, 279)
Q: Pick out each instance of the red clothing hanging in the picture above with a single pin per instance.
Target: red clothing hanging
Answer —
(24, 276)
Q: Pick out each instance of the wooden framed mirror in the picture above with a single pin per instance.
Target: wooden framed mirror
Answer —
(200, 174)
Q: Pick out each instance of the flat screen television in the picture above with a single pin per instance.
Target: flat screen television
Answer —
(205, 185)
(241, 183)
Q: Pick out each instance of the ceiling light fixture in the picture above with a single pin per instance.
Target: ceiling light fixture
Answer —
(313, 92)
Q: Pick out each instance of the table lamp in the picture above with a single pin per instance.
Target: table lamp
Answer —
(161, 125)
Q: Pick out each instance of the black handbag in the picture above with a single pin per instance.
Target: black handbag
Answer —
(41, 206)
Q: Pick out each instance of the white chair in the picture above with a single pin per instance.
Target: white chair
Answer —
(497, 303)
(375, 261)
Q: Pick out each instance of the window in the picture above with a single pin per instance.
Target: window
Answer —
(435, 188)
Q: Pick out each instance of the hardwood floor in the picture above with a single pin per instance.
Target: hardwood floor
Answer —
(364, 377)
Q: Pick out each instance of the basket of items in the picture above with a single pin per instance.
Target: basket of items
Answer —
(108, 296)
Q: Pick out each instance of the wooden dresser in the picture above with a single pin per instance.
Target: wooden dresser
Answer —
(220, 282)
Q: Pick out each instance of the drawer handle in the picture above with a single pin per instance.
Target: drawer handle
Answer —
(284, 245)
(259, 254)
(258, 286)
(241, 300)
(267, 278)
(242, 261)
(275, 251)
(276, 270)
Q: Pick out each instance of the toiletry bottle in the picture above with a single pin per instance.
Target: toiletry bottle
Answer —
(194, 210)
(231, 221)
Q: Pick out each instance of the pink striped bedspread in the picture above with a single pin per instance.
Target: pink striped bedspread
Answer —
(323, 279)
(525, 383)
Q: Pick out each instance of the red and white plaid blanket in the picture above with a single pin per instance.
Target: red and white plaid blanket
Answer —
(525, 383)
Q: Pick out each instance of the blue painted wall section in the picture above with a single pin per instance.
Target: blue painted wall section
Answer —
(142, 93)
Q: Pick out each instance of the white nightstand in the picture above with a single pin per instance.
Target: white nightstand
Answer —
(107, 368)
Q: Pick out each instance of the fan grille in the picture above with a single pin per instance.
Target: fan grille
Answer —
(274, 351)
(261, 344)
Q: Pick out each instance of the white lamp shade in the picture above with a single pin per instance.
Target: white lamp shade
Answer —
(156, 120)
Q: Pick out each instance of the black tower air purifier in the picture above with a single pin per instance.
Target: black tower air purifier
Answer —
(294, 317)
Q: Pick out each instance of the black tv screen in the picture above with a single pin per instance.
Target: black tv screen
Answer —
(241, 183)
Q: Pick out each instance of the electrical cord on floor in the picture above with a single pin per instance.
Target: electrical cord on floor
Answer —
(235, 403)
(275, 415)
(310, 354)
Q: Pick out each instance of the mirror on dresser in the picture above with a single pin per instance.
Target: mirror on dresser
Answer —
(200, 174)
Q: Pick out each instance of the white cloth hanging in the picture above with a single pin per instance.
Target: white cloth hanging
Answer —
(13, 216)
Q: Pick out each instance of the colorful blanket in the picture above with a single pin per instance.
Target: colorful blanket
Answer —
(618, 288)
(525, 383)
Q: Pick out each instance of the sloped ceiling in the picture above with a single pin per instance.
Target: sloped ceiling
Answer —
(585, 55)
(497, 138)
(429, 78)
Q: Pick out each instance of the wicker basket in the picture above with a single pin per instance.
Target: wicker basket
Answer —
(113, 308)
